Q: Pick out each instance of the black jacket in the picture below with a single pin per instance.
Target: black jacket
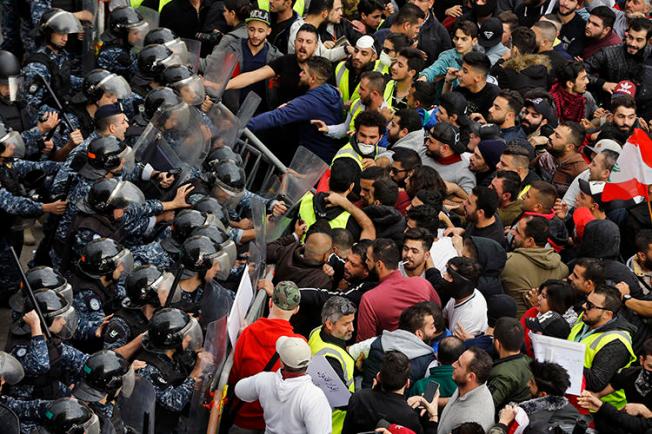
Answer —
(433, 38)
(545, 413)
(388, 221)
(492, 258)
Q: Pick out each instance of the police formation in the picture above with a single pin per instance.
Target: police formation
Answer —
(135, 196)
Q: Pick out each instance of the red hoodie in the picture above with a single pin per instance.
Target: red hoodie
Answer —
(253, 350)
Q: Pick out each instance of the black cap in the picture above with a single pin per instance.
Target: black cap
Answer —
(449, 135)
(543, 107)
(108, 110)
(491, 32)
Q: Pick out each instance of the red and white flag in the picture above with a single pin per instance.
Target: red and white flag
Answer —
(632, 173)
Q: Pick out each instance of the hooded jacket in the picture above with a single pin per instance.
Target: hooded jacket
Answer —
(253, 350)
(524, 73)
(414, 140)
(602, 241)
(324, 103)
(292, 405)
(508, 380)
(418, 352)
(388, 221)
(544, 413)
(287, 254)
(527, 268)
(492, 259)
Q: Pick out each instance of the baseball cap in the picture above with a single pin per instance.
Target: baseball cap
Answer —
(491, 32)
(365, 42)
(543, 107)
(490, 132)
(108, 110)
(606, 145)
(449, 135)
(286, 295)
(625, 87)
(259, 15)
(550, 323)
(593, 189)
(293, 352)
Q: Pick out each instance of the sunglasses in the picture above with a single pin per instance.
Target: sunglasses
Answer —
(396, 171)
(590, 306)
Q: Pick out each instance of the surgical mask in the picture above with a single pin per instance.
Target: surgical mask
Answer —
(366, 149)
(385, 59)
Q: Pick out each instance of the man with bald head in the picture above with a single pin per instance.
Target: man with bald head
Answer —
(299, 263)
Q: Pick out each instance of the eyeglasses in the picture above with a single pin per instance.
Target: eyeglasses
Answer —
(396, 171)
(388, 50)
(590, 306)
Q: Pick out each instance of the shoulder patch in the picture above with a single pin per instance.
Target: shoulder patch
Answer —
(94, 304)
(21, 352)
(33, 88)
(159, 380)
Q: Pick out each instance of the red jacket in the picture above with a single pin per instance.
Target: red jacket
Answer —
(253, 350)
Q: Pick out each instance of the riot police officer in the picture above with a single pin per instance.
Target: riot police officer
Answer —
(166, 37)
(173, 367)
(147, 289)
(67, 415)
(209, 205)
(161, 97)
(203, 262)
(105, 157)
(16, 413)
(17, 206)
(51, 63)
(98, 292)
(41, 277)
(152, 60)
(105, 374)
(50, 364)
(185, 83)
(127, 28)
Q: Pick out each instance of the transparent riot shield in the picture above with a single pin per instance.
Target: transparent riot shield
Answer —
(303, 173)
(138, 409)
(216, 303)
(200, 405)
(227, 126)
(193, 53)
(9, 421)
(150, 16)
(258, 247)
(219, 69)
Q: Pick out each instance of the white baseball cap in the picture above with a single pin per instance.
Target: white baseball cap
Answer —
(365, 42)
(606, 145)
(294, 352)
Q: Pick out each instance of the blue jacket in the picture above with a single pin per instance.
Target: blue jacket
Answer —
(324, 103)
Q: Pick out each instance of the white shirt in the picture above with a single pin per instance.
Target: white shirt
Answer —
(442, 250)
(574, 188)
(470, 314)
(294, 405)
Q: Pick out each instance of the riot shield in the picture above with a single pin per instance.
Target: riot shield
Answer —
(258, 247)
(138, 409)
(219, 69)
(215, 304)
(227, 126)
(193, 53)
(151, 16)
(303, 173)
(9, 421)
(248, 108)
(200, 404)
(90, 38)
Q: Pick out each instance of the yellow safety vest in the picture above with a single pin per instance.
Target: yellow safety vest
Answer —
(356, 108)
(307, 214)
(320, 348)
(136, 3)
(342, 79)
(594, 343)
(299, 6)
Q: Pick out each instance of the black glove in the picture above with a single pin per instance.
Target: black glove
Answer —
(210, 38)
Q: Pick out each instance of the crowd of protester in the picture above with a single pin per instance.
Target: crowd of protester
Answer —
(462, 213)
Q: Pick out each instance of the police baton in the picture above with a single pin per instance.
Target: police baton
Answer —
(30, 294)
(64, 116)
(175, 283)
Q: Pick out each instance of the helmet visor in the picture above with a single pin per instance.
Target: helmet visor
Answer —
(193, 329)
(14, 144)
(128, 383)
(92, 426)
(225, 265)
(126, 259)
(191, 90)
(71, 318)
(126, 193)
(66, 292)
(15, 84)
(136, 34)
(10, 369)
(230, 248)
(179, 48)
(113, 4)
(176, 117)
(163, 285)
(127, 155)
(115, 85)
(64, 22)
(228, 197)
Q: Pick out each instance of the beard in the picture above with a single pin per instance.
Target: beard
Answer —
(435, 155)
(555, 152)
(529, 129)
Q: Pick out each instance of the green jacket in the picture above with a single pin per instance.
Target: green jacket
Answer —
(508, 380)
(442, 374)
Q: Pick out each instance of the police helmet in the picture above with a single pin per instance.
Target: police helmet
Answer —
(187, 84)
(184, 222)
(105, 153)
(102, 256)
(124, 18)
(107, 194)
(11, 370)
(227, 252)
(145, 283)
(162, 97)
(52, 306)
(168, 328)
(56, 20)
(222, 154)
(153, 59)
(100, 81)
(198, 253)
(41, 277)
(69, 416)
(210, 205)
(104, 373)
(9, 66)
(160, 35)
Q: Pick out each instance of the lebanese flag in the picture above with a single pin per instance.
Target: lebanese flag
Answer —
(632, 173)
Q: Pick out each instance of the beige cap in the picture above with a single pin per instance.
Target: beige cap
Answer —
(294, 352)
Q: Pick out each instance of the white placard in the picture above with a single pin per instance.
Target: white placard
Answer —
(241, 304)
(324, 376)
(568, 354)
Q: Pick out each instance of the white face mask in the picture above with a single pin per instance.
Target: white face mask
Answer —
(385, 59)
(366, 149)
